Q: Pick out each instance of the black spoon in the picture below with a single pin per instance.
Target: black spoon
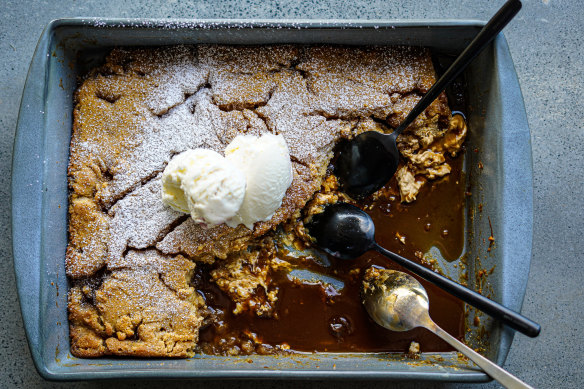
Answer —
(346, 232)
(370, 160)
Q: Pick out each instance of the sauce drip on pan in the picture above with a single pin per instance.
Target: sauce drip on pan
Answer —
(315, 317)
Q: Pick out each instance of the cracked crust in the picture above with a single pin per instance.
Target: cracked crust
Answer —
(130, 258)
(144, 306)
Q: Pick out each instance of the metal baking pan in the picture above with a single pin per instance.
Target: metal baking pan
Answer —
(499, 139)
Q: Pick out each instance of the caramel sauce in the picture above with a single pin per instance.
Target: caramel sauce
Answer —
(313, 317)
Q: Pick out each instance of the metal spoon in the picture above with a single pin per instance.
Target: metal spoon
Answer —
(398, 302)
(369, 161)
(346, 232)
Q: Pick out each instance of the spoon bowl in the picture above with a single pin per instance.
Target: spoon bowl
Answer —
(398, 302)
(393, 299)
(366, 163)
(353, 231)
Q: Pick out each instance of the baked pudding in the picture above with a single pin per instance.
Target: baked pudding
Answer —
(150, 280)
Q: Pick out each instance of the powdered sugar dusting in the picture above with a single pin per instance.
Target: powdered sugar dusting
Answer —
(139, 220)
(189, 97)
(146, 105)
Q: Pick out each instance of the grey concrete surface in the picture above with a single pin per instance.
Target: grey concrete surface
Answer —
(546, 43)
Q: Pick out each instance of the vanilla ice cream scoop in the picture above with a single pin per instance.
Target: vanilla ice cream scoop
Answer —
(205, 184)
(266, 163)
(244, 187)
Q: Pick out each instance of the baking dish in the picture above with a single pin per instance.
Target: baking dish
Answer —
(502, 187)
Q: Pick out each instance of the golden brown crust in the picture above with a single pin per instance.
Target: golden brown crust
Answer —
(88, 227)
(204, 244)
(145, 105)
(145, 307)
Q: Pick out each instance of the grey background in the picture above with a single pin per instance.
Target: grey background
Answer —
(546, 44)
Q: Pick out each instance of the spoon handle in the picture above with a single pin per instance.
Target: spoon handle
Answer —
(505, 378)
(484, 37)
(511, 318)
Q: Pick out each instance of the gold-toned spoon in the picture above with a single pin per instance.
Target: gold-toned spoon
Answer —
(398, 302)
